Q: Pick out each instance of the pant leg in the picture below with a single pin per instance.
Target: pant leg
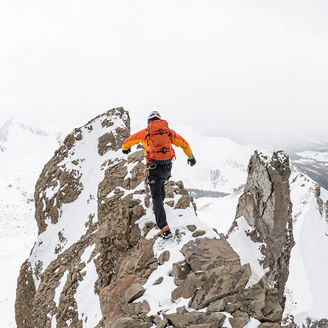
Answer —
(163, 191)
(156, 189)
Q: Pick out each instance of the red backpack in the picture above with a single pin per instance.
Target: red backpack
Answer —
(159, 139)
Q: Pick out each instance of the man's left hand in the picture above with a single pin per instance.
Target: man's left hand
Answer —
(191, 160)
(126, 151)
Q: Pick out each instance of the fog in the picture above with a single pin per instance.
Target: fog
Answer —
(255, 71)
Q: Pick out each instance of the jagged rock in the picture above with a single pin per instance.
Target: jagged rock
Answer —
(133, 292)
(198, 233)
(25, 296)
(111, 296)
(142, 307)
(188, 287)
(269, 325)
(136, 156)
(217, 306)
(164, 257)
(220, 282)
(205, 253)
(181, 310)
(134, 202)
(127, 322)
(191, 227)
(170, 203)
(257, 302)
(161, 323)
(205, 325)
(266, 206)
(192, 319)
(183, 202)
(238, 322)
(148, 226)
(180, 272)
(158, 281)
(182, 320)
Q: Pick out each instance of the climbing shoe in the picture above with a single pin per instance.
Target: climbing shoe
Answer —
(166, 232)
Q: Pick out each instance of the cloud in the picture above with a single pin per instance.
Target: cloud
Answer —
(255, 71)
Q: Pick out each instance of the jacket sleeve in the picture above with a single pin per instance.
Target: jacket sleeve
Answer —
(136, 138)
(178, 141)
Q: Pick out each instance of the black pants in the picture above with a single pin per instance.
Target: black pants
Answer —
(157, 177)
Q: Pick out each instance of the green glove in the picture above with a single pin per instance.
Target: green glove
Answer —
(191, 160)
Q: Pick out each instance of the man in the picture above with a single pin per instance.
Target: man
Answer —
(157, 139)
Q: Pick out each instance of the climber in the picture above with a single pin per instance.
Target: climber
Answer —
(157, 139)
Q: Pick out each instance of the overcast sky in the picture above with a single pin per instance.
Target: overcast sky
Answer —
(252, 70)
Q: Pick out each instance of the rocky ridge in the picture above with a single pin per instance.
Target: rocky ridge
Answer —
(266, 206)
(98, 261)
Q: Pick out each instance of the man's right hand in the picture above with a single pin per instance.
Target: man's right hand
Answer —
(126, 151)
(191, 160)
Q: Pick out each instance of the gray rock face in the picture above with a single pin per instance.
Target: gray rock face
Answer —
(266, 206)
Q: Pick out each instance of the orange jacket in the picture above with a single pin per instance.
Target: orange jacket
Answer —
(140, 137)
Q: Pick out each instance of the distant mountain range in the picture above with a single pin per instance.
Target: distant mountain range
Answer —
(313, 161)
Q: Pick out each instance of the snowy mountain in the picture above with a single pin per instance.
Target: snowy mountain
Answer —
(98, 259)
(313, 160)
(23, 152)
(221, 167)
(221, 162)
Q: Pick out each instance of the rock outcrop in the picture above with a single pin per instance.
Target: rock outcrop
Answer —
(265, 205)
(98, 261)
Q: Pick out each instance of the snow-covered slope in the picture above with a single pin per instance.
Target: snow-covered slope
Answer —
(23, 152)
(307, 287)
(221, 162)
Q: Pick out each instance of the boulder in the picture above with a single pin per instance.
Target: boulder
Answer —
(164, 257)
(203, 253)
(133, 292)
(220, 282)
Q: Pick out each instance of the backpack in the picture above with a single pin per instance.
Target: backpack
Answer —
(159, 139)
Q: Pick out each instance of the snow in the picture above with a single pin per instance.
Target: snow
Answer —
(51, 191)
(25, 151)
(306, 288)
(248, 250)
(87, 300)
(312, 155)
(59, 289)
(226, 159)
(159, 296)
(71, 222)
(87, 253)
(218, 213)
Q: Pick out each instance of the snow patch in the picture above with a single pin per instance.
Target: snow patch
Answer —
(248, 250)
(87, 300)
